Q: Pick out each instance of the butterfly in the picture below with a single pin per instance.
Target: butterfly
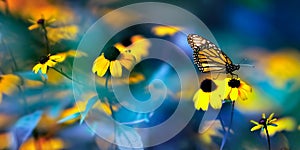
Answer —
(210, 58)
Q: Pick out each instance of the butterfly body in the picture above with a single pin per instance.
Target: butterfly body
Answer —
(209, 58)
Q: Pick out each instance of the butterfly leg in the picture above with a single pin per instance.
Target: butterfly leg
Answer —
(233, 74)
(217, 76)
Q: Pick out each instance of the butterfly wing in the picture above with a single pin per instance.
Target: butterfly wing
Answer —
(207, 56)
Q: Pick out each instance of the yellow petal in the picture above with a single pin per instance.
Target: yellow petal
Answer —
(34, 26)
(139, 48)
(50, 63)
(74, 53)
(227, 89)
(115, 68)
(44, 69)
(196, 96)
(100, 66)
(252, 121)
(215, 100)
(0, 98)
(50, 21)
(257, 127)
(243, 95)
(263, 115)
(234, 94)
(99, 61)
(127, 60)
(32, 21)
(60, 57)
(201, 100)
(270, 117)
(272, 130)
(245, 86)
(36, 68)
(120, 47)
(272, 120)
(136, 38)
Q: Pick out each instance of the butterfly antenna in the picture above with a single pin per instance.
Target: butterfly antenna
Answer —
(245, 65)
(243, 60)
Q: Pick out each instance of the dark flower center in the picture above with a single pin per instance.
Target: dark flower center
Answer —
(41, 21)
(262, 121)
(234, 83)
(44, 59)
(126, 42)
(208, 85)
(111, 53)
(0, 78)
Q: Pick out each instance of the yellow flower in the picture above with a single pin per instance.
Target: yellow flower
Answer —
(210, 92)
(264, 122)
(114, 59)
(138, 46)
(165, 30)
(40, 23)
(8, 84)
(43, 143)
(51, 60)
(274, 125)
(47, 61)
(237, 89)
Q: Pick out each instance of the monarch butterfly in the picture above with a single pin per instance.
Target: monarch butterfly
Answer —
(209, 58)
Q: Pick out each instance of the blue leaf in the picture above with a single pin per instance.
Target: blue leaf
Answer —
(73, 116)
(127, 139)
(24, 126)
(89, 105)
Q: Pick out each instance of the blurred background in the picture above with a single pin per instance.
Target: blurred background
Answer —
(261, 33)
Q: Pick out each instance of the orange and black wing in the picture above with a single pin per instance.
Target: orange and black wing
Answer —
(207, 56)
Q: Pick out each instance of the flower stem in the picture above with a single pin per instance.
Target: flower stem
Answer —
(11, 55)
(46, 38)
(64, 74)
(229, 128)
(113, 146)
(268, 137)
